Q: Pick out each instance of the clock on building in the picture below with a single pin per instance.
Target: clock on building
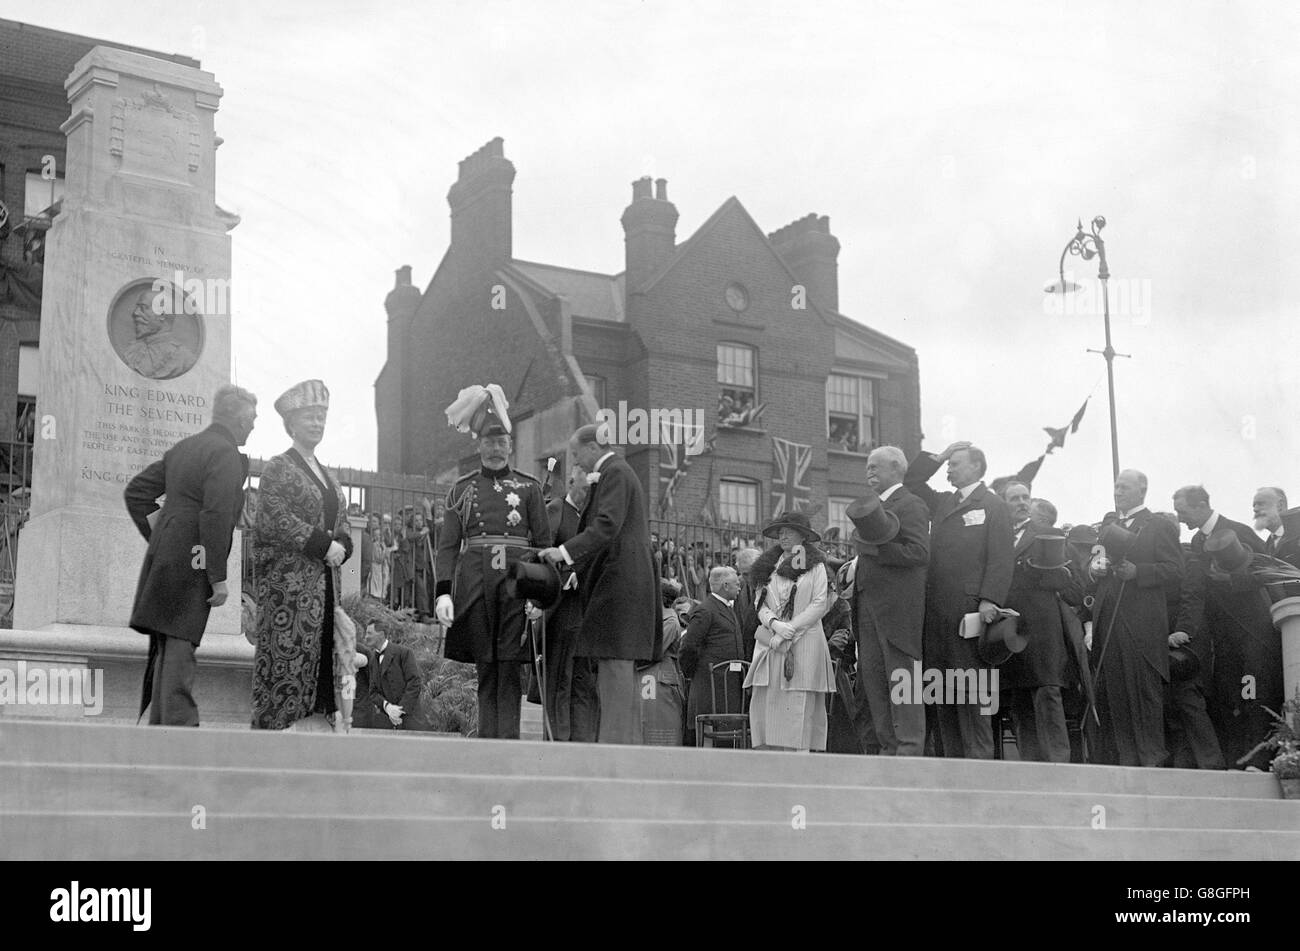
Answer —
(737, 297)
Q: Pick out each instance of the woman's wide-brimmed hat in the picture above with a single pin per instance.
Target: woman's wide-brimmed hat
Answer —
(301, 396)
(872, 525)
(796, 520)
(1082, 536)
(1227, 550)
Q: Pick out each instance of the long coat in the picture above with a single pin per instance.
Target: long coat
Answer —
(396, 680)
(1034, 594)
(1141, 623)
(616, 575)
(489, 625)
(970, 561)
(813, 668)
(712, 636)
(203, 477)
(295, 590)
(889, 580)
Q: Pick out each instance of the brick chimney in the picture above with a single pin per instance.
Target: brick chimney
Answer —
(810, 249)
(650, 231)
(480, 205)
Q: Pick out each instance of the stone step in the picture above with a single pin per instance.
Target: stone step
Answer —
(236, 791)
(383, 751)
(162, 835)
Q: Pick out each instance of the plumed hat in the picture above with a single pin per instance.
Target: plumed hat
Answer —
(480, 411)
(304, 394)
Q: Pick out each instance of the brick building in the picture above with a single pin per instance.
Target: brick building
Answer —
(34, 63)
(741, 326)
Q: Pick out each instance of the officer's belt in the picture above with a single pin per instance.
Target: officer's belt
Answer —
(488, 541)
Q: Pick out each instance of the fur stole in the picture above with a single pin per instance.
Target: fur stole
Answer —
(766, 564)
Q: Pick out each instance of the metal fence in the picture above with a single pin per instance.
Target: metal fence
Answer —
(15, 500)
(686, 551)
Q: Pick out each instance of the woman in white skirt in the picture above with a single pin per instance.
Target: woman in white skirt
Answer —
(791, 674)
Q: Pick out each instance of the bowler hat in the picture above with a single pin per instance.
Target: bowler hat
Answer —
(1226, 549)
(796, 520)
(1183, 664)
(999, 640)
(1116, 539)
(872, 525)
(536, 581)
(1048, 551)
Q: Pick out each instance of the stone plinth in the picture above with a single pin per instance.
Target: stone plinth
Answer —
(1286, 618)
(135, 340)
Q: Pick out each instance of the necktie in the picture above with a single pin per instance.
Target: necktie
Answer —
(1271, 545)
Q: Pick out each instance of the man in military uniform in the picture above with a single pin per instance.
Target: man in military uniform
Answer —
(493, 516)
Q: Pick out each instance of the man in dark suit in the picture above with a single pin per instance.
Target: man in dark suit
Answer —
(713, 637)
(889, 603)
(1272, 516)
(1130, 643)
(1233, 612)
(616, 578)
(363, 709)
(745, 609)
(184, 571)
(395, 682)
(970, 571)
(570, 697)
(1034, 677)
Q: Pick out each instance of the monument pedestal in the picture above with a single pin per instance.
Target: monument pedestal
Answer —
(1286, 618)
(135, 339)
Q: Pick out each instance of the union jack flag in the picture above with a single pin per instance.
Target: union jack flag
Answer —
(674, 461)
(789, 476)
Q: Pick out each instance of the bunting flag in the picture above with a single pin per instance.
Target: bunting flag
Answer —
(790, 491)
(1058, 435)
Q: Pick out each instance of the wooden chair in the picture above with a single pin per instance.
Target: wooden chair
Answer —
(726, 729)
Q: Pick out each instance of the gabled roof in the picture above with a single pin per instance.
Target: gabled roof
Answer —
(857, 343)
(591, 295)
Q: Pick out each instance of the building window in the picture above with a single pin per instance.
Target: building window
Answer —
(738, 501)
(41, 194)
(597, 384)
(838, 526)
(851, 413)
(737, 384)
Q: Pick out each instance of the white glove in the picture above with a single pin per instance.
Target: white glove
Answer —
(783, 628)
(444, 610)
(780, 643)
(395, 713)
(334, 555)
(532, 611)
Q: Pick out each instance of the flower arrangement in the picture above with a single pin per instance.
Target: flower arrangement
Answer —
(1284, 741)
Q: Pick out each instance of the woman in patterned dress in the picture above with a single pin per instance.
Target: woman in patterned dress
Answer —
(301, 538)
(792, 673)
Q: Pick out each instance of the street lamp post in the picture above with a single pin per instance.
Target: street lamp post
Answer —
(1088, 245)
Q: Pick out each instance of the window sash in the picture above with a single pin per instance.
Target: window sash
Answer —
(738, 501)
(736, 366)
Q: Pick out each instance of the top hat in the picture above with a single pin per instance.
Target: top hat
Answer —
(1291, 521)
(872, 525)
(1000, 640)
(1183, 664)
(305, 394)
(536, 581)
(1048, 551)
(1226, 549)
(1116, 540)
(796, 520)
(1084, 536)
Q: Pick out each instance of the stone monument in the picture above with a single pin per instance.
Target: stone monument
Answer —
(135, 339)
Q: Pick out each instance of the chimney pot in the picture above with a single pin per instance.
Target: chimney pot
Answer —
(641, 188)
(404, 276)
(661, 189)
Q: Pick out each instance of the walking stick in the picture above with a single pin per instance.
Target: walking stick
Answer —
(1096, 674)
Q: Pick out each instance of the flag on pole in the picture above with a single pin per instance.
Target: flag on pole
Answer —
(674, 463)
(1058, 435)
(790, 491)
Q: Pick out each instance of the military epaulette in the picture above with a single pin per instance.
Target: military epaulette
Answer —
(467, 476)
(526, 475)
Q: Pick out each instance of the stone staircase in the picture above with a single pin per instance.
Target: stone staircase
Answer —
(87, 790)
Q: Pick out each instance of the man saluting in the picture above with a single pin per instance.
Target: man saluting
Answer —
(493, 516)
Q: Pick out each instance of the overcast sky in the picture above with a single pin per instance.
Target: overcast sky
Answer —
(953, 146)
